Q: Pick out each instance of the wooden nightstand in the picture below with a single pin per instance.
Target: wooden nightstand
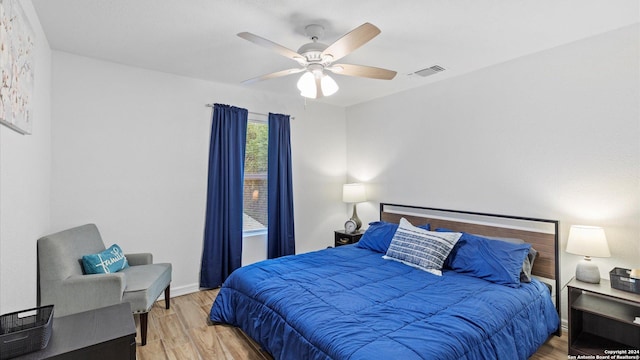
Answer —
(601, 318)
(342, 238)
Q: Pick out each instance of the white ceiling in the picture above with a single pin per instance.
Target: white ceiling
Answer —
(197, 38)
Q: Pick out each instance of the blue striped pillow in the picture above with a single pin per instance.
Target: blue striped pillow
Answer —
(422, 249)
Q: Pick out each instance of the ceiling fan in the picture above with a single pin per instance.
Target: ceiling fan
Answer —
(316, 59)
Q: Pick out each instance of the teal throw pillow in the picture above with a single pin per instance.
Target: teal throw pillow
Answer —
(109, 261)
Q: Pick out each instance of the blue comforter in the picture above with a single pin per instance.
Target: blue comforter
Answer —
(349, 303)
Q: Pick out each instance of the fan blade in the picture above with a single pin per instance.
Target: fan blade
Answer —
(351, 41)
(362, 71)
(273, 75)
(271, 46)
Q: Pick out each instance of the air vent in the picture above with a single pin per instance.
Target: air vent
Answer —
(430, 70)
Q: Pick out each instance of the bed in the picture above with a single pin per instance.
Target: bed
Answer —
(350, 303)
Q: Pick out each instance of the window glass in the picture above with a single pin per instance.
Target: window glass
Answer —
(255, 177)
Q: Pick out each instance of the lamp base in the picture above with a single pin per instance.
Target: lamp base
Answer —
(355, 218)
(586, 271)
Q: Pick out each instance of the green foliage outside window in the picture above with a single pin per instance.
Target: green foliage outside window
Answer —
(256, 150)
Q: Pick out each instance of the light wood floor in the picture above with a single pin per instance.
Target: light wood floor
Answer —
(182, 333)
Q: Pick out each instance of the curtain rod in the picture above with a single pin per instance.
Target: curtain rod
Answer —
(251, 112)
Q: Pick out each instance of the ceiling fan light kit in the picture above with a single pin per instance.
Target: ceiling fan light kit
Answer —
(317, 58)
(314, 81)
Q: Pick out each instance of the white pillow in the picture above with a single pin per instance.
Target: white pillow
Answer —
(422, 249)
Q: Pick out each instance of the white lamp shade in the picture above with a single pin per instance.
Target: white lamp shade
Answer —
(353, 193)
(329, 86)
(587, 241)
(307, 85)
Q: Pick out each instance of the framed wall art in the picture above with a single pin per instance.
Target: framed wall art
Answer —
(17, 44)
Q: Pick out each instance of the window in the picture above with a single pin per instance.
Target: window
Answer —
(255, 176)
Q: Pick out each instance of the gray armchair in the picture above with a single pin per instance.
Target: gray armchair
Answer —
(62, 282)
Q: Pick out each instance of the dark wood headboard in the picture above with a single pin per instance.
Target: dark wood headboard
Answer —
(542, 234)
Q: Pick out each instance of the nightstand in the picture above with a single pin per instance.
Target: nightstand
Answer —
(343, 238)
(601, 318)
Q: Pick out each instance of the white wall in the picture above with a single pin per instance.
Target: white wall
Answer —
(553, 135)
(130, 153)
(25, 168)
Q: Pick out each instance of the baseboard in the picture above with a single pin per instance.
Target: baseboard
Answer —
(181, 290)
(184, 290)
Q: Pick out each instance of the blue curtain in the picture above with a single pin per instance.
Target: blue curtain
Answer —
(280, 234)
(222, 249)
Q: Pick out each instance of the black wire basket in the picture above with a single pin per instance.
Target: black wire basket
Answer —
(25, 331)
(621, 279)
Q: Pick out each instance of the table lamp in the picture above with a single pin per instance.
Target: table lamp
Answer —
(354, 193)
(588, 241)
